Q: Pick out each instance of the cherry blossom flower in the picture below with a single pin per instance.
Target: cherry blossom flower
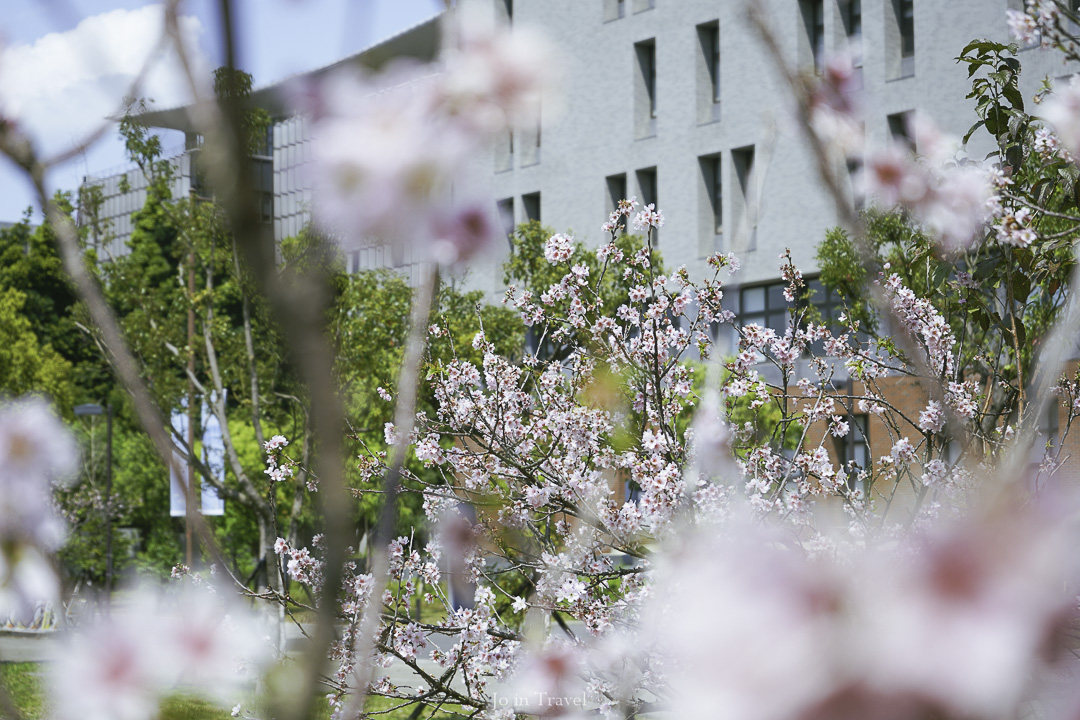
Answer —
(834, 115)
(276, 443)
(388, 148)
(558, 248)
(932, 419)
(1014, 228)
(1022, 27)
(34, 444)
(460, 233)
(495, 76)
(121, 667)
(35, 450)
(1062, 111)
(649, 217)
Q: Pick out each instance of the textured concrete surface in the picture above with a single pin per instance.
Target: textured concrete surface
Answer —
(25, 646)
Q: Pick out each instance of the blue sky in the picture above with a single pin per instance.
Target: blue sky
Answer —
(65, 64)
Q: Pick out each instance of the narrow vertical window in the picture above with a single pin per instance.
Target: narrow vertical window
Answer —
(817, 37)
(531, 205)
(744, 200)
(709, 72)
(504, 11)
(506, 218)
(648, 70)
(813, 16)
(614, 9)
(645, 95)
(504, 150)
(900, 129)
(529, 143)
(713, 58)
(647, 186)
(716, 194)
(852, 17)
(649, 189)
(711, 213)
(899, 39)
(855, 182)
(616, 191)
(907, 37)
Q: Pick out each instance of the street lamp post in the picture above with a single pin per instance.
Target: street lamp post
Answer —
(95, 409)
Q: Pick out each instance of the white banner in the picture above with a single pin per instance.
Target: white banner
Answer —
(213, 456)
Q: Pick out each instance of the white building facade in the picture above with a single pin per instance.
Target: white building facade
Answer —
(677, 102)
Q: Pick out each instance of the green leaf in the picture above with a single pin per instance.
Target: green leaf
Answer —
(1013, 95)
(1021, 286)
(971, 132)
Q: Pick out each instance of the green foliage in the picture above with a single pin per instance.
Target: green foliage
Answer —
(27, 367)
(232, 85)
(999, 102)
(894, 241)
(142, 146)
(998, 298)
(23, 682)
(145, 291)
(30, 265)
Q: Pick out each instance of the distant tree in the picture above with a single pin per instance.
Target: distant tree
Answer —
(28, 367)
(30, 265)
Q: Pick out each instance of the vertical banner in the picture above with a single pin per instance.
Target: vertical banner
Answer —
(177, 500)
(213, 455)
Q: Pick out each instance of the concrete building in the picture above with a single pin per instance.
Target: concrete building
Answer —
(676, 102)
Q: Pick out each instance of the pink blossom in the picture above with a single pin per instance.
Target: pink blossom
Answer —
(558, 248)
(903, 450)
(649, 217)
(34, 444)
(932, 419)
(892, 177)
(276, 443)
(496, 76)
(121, 667)
(1022, 27)
(1062, 110)
(459, 233)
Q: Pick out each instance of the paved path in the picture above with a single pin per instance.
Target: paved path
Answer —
(28, 646)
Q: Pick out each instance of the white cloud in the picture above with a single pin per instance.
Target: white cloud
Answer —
(65, 84)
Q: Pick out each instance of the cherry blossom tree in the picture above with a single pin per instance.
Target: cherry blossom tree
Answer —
(640, 522)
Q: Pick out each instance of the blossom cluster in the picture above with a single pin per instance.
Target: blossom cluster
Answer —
(388, 148)
(36, 450)
(197, 640)
(1036, 24)
(949, 196)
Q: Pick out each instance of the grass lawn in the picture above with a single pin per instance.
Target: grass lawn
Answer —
(24, 682)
